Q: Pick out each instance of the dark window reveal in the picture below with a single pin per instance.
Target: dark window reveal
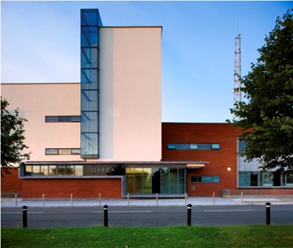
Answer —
(63, 118)
(205, 179)
(62, 151)
(194, 146)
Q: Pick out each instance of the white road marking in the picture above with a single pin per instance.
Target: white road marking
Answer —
(122, 212)
(232, 210)
(21, 212)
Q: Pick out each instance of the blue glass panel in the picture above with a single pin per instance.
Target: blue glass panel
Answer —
(90, 17)
(89, 58)
(207, 179)
(171, 146)
(182, 146)
(193, 146)
(203, 146)
(244, 179)
(89, 100)
(90, 122)
(89, 36)
(89, 145)
(241, 146)
(89, 79)
(90, 22)
(216, 146)
(216, 179)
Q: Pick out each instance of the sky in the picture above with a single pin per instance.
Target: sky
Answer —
(40, 42)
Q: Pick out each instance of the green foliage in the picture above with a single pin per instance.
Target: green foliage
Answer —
(12, 138)
(180, 236)
(266, 115)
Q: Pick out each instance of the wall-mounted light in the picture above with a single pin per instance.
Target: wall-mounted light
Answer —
(228, 169)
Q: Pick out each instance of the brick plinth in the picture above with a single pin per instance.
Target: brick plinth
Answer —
(80, 188)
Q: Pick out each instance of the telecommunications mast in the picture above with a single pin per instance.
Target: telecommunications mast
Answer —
(237, 71)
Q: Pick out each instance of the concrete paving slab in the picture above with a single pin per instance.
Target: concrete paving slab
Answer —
(195, 201)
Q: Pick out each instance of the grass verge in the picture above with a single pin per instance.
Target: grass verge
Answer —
(179, 236)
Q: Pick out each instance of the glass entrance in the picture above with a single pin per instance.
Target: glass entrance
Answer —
(138, 180)
(155, 180)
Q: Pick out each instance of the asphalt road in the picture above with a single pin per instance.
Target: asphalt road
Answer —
(146, 216)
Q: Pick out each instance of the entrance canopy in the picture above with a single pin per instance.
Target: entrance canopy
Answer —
(137, 177)
(98, 168)
(183, 164)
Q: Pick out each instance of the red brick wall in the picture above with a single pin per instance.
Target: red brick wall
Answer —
(10, 182)
(219, 160)
(80, 188)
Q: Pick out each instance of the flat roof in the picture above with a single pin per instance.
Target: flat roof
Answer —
(40, 83)
(184, 164)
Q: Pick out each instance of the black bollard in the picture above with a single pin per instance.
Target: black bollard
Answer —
(189, 214)
(106, 215)
(24, 216)
(268, 213)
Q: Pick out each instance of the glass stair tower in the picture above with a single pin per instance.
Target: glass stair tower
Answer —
(90, 23)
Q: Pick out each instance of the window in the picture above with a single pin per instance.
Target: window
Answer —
(44, 170)
(75, 151)
(241, 146)
(54, 170)
(215, 146)
(50, 151)
(182, 147)
(171, 147)
(63, 118)
(203, 146)
(192, 146)
(75, 118)
(36, 170)
(28, 170)
(205, 179)
(62, 151)
(253, 179)
(289, 180)
(61, 170)
(78, 170)
(51, 119)
(244, 179)
(264, 179)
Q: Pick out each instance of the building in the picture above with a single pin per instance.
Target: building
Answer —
(104, 135)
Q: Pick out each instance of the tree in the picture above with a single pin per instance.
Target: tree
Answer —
(12, 138)
(266, 116)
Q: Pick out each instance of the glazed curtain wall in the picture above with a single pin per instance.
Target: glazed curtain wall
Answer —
(155, 180)
(90, 22)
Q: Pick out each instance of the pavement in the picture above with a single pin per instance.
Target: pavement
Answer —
(195, 201)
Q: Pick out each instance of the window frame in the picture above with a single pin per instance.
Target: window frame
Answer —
(55, 170)
(60, 151)
(62, 118)
(194, 146)
(203, 179)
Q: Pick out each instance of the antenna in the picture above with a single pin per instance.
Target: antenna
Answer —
(237, 71)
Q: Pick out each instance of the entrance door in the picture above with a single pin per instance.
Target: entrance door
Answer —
(138, 180)
(156, 181)
(165, 181)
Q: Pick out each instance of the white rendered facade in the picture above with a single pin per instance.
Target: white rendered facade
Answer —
(130, 93)
(130, 101)
(35, 102)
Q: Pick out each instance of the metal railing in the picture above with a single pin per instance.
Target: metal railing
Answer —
(10, 195)
(256, 192)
